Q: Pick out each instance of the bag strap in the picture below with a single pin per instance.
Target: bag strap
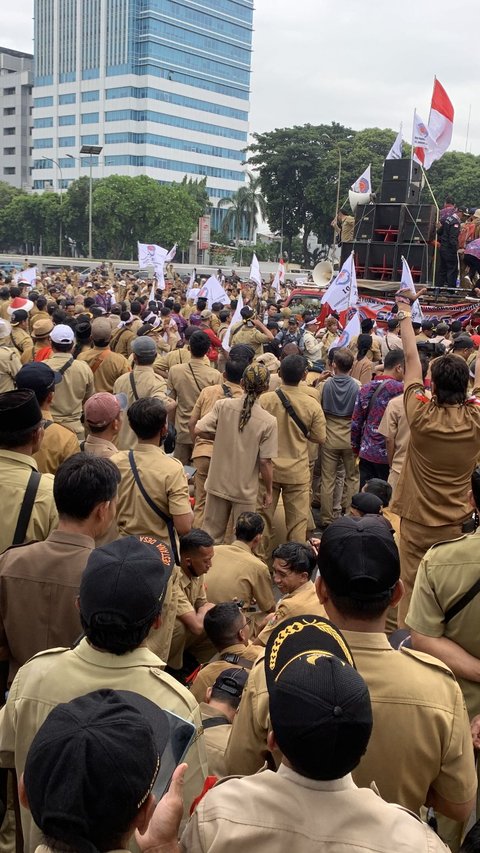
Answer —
(210, 722)
(46, 424)
(63, 369)
(133, 385)
(227, 392)
(374, 397)
(99, 360)
(230, 657)
(291, 412)
(153, 506)
(26, 508)
(116, 337)
(194, 377)
(462, 602)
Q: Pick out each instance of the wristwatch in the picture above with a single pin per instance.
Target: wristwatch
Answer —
(401, 315)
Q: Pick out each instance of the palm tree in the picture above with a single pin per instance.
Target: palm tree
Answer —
(244, 206)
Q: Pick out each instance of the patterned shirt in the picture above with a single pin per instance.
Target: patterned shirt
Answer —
(367, 442)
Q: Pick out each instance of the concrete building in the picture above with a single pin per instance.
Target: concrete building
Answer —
(16, 79)
(161, 85)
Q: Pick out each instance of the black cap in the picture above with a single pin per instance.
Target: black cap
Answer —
(319, 705)
(19, 410)
(428, 324)
(232, 681)
(19, 316)
(39, 377)
(358, 557)
(92, 765)
(126, 579)
(463, 342)
(292, 321)
(367, 503)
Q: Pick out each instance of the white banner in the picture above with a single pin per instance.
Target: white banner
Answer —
(363, 184)
(237, 317)
(255, 275)
(351, 329)
(213, 291)
(150, 255)
(342, 293)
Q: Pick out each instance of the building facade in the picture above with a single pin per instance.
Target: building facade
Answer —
(16, 79)
(162, 85)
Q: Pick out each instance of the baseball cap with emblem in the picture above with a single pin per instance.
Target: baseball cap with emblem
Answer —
(19, 316)
(41, 329)
(358, 558)
(102, 408)
(205, 314)
(123, 583)
(320, 707)
(92, 765)
(231, 681)
(62, 334)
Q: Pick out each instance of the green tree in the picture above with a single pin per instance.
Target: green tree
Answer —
(198, 190)
(458, 175)
(75, 212)
(244, 208)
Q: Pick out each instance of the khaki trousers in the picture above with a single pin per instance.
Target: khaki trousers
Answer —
(217, 513)
(202, 464)
(183, 452)
(296, 505)
(415, 540)
(331, 460)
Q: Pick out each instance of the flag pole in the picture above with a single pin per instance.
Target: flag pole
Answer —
(435, 250)
(413, 140)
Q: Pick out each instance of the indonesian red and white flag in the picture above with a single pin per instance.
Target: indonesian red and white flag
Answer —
(440, 127)
(363, 184)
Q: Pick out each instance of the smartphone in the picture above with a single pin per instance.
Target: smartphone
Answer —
(190, 471)
(182, 735)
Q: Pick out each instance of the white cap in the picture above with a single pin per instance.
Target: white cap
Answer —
(62, 335)
(5, 328)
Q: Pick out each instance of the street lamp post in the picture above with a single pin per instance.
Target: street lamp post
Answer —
(60, 239)
(92, 151)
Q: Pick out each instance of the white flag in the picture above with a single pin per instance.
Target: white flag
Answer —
(407, 284)
(237, 317)
(191, 282)
(351, 329)
(152, 292)
(281, 271)
(342, 293)
(275, 285)
(421, 136)
(159, 275)
(150, 255)
(363, 184)
(213, 291)
(395, 152)
(193, 292)
(255, 275)
(27, 276)
(112, 294)
(171, 254)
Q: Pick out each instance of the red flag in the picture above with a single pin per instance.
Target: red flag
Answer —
(440, 126)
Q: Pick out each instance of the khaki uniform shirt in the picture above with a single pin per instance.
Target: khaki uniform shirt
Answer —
(185, 382)
(163, 478)
(165, 361)
(304, 601)
(374, 353)
(283, 812)
(60, 675)
(216, 739)
(96, 446)
(237, 573)
(247, 749)
(191, 596)
(442, 453)
(419, 722)
(238, 452)
(205, 403)
(147, 384)
(21, 339)
(209, 673)
(247, 333)
(111, 366)
(15, 470)
(10, 364)
(58, 444)
(347, 229)
(390, 341)
(121, 341)
(446, 573)
(38, 587)
(160, 639)
(291, 465)
(4, 306)
(362, 370)
(71, 393)
(394, 425)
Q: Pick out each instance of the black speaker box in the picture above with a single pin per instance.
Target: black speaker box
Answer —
(417, 223)
(382, 261)
(419, 259)
(360, 251)
(387, 222)
(399, 192)
(364, 220)
(402, 170)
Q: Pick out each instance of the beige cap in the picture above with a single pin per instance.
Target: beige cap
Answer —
(101, 329)
(476, 215)
(268, 360)
(42, 328)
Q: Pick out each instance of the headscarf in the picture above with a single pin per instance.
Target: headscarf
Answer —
(256, 379)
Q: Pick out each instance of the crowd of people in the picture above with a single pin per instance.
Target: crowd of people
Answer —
(248, 528)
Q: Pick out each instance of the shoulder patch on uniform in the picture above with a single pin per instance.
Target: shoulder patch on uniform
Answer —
(422, 397)
(473, 401)
(428, 660)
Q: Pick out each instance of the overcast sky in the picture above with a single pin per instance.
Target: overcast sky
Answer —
(363, 64)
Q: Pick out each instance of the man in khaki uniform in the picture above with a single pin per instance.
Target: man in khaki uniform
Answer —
(300, 420)
(245, 443)
(41, 348)
(142, 381)
(218, 712)
(104, 414)
(10, 362)
(321, 721)
(108, 657)
(293, 566)
(59, 443)
(20, 337)
(185, 382)
(39, 582)
(4, 303)
(77, 381)
(413, 695)
(250, 330)
(227, 628)
(21, 434)
(203, 447)
(105, 365)
(236, 571)
(124, 335)
(196, 551)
